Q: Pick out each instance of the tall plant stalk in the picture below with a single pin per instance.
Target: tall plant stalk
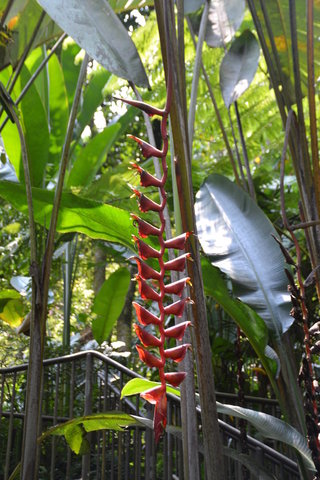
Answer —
(39, 312)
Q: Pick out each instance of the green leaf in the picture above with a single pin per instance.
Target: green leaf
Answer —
(224, 19)
(139, 385)
(13, 312)
(237, 237)
(239, 66)
(74, 430)
(92, 97)
(9, 293)
(41, 82)
(70, 66)
(109, 303)
(271, 427)
(98, 30)
(91, 158)
(59, 110)
(76, 214)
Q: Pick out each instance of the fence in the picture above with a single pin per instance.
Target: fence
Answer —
(90, 382)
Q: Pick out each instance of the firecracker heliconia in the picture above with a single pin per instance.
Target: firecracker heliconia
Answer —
(154, 284)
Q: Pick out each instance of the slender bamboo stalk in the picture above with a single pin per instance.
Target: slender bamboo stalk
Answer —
(196, 73)
(245, 153)
(312, 103)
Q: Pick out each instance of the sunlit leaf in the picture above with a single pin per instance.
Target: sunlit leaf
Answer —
(224, 19)
(13, 312)
(239, 66)
(237, 237)
(140, 385)
(76, 214)
(109, 302)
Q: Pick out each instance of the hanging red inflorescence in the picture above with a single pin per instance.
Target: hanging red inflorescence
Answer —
(153, 283)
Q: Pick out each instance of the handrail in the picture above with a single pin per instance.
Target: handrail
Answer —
(227, 429)
(124, 369)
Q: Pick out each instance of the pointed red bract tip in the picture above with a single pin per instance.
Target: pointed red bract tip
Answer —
(177, 242)
(146, 292)
(175, 378)
(160, 417)
(145, 228)
(144, 316)
(177, 308)
(177, 354)
(146, 338)
(177, 331)
(177, 264)
(153, 395)
(147, 150)
(145, 107)
(176, 288)
(146, 179)
(149, 359)
(145, 251)
(145, 271)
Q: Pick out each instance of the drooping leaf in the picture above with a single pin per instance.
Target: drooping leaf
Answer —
(224, 19)
(250, 463)
(70, 66)
(92, 157)
(271, 427)
(140, 385)
(36, 129)
(76, 214)
(239, 66)
(247, 319)
(237, 237)
(109, 302)
(96, 28)
(75, 430)
(59, 110)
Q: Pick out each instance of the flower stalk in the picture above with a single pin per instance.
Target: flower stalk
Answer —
(154, 284)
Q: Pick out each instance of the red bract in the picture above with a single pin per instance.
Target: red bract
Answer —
(158, 294)
(148, 109)
(177, 353)
(177, 264)
(144, 316)
(147, 150)
(175, 378)
(145, 271)
(146, 179)
(146, 292)
(177, 242)
(146, 338)
(177, 308)
(146, 204)
(145, 251)
(177, 331)
(149, 359)
(145, 228)
(177, 287)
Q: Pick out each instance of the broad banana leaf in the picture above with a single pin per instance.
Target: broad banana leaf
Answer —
(237, 237)
(96, 28)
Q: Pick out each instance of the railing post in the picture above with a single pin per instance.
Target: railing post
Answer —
(9, 439)
(87, 411)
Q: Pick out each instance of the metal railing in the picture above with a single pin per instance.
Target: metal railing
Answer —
(90, 382)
